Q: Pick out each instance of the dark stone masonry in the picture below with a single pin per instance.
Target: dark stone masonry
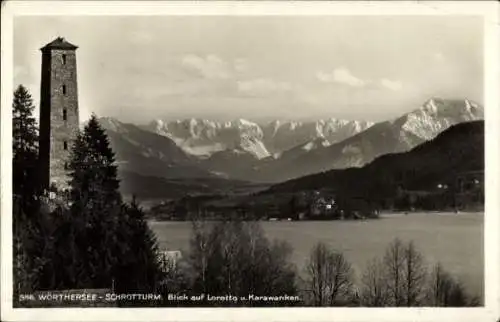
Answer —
(58, 111)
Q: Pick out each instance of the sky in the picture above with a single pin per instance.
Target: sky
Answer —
(258, 68)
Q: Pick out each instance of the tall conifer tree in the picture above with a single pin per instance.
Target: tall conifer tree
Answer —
(24, 144)
(97, 203)
(26, 231)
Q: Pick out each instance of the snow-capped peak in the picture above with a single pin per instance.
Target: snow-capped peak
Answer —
(158, 123)
(244, 122)
(430, 106)
(436, 115)
(204, 137)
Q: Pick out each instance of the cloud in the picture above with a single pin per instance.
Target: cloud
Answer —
(262, 85)
(391, 84)
(211, 66)
(341, 75)
(344, 76)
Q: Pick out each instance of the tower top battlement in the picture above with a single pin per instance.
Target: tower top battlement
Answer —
(59, 43)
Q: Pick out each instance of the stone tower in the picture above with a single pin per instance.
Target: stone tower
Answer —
(58, 111)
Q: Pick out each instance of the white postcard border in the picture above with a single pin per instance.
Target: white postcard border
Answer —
(487, 9)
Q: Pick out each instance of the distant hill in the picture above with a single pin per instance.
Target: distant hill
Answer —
(457, 150)
(149, 154)
(231, 163)
(150, 187)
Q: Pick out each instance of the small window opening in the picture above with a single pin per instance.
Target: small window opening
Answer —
(65, 145)
(64, 59)
(65, 165)
(64, 89)
(65, 115)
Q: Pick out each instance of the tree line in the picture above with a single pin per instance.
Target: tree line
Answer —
(90, 238)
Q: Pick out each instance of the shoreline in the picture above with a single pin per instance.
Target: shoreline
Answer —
(382, 215)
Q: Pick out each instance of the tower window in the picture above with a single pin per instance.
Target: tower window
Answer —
(64, 89)
(65, 145)
(65, 115)
(65, 165)
(64, 59)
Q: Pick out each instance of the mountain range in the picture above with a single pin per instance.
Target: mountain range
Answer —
(204, 138)
(277, 151)
(397, 135)
(457, 150)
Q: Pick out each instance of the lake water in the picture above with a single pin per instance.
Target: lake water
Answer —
(456, 240)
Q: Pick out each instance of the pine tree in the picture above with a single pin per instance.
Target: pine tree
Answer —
(25, 145)
(96, 201)
(92, 168)
(26, 231)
